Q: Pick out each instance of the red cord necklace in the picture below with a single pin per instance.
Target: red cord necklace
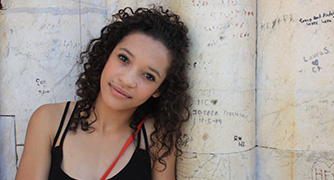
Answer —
(128, 142)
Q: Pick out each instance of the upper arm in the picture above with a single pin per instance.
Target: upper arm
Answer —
(160, 172)
(36, 157)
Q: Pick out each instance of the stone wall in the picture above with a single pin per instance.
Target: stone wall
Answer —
(261, 76)
(219, 140)
(295, 97)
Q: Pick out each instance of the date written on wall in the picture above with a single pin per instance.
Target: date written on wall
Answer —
(213, 116)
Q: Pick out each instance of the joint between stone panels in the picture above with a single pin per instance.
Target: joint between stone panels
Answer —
(7, 115)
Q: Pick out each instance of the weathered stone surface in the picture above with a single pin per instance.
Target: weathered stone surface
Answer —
(38, 58)
(199, 166)
(288, 88)
(295, 75)
(222, 77)
(300, 121)
(7, 148)
(278, 164)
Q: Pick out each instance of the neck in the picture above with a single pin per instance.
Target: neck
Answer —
(111, 120)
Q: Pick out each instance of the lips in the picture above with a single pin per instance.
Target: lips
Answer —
(119, 92)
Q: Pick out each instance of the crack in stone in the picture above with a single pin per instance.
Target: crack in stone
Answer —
(58, 11)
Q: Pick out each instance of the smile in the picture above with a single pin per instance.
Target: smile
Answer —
(118, 92)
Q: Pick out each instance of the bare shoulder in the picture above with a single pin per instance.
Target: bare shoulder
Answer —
(36, 157)
(50, 109)
(48, 115)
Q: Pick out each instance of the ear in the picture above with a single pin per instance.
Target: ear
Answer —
(156, 94)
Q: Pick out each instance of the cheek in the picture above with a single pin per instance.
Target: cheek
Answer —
(110, 61)
(108, 68)
(105, 76)
(146, 90)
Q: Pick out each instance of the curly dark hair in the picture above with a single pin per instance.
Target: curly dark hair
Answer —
(171, 108)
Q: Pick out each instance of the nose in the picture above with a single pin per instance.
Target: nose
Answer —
(128, 79)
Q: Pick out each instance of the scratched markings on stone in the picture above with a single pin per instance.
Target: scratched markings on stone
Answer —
(192, 166)
(315, 61)
(214, 116)
(224, 19)
(322, 171)
(239, 141)
(42, 86)
(184, 141)
(216, 68)
(279, 21)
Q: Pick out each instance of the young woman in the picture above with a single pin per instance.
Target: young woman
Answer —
(133, 86)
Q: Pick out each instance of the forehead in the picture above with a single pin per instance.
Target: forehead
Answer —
(140, 39)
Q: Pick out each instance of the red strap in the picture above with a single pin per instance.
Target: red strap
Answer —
(128, 142)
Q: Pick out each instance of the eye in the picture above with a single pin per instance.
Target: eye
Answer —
(123, 58)
(149, 77)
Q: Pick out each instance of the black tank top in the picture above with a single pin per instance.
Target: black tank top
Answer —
(139, 166)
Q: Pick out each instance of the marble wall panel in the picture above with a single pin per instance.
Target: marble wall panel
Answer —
(29, 51)
(295, 77)
(222, 80)
(295, 124)
(7, 147)
(299, 52)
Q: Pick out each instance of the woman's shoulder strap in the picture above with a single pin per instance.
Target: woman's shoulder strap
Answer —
(145, 137)
(142, 130)
(61, 123)
(68, 124)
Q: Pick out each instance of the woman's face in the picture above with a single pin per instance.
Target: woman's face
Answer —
(134, 71)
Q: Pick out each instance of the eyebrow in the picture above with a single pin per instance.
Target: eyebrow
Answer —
(152, 69)
(126, 50)
(156, 71)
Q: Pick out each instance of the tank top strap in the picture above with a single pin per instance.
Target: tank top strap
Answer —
(67, 126)
(61, 124)
(145, 137)
(143, 130)
(139, 138)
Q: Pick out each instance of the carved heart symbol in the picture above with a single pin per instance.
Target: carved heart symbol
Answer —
(316, 62)
(321, 170)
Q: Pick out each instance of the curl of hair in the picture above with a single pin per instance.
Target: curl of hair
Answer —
(171, 108)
